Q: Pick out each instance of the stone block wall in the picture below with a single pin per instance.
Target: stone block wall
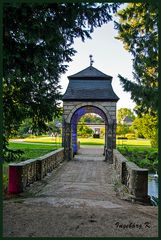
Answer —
(25, 173)
(132, 176)
(70, 106)
(108, 107)
(119, 163)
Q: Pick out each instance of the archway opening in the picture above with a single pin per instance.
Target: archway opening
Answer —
(91, 122)
(91, 131)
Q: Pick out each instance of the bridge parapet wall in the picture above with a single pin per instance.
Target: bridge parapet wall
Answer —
(132, 176)
(24, 173)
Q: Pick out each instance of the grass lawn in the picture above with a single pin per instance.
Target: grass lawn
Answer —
(88, 141)
(124, 142)
(91, 141)
(43, 139)
(133, 142)
(32, 150)
(42, 146)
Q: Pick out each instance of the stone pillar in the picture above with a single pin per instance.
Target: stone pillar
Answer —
(15, 184)
(63, 132)
(138, 184)
(114, 134)
(68, 151)
(105, 146)
(74, 138)
(109, 146)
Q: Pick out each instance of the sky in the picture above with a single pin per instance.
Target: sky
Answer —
(109, 57)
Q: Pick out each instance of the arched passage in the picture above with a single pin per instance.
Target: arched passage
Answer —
(77, 115)
(70, 130)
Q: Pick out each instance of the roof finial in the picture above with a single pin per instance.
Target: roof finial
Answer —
(91, 60)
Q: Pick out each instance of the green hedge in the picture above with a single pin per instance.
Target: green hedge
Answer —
(144, 158)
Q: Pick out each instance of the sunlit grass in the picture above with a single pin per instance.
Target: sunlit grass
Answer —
(88, 141)
(44, 139)
(120, 142)
(32, 150)
(133, 142)
(91, 141)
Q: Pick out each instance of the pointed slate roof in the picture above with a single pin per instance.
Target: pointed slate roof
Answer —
(90, 84)
(90, 73)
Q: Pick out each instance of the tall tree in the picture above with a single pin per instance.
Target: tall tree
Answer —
(146, 126)
(124, 112)
(37, 47)
(138, 30)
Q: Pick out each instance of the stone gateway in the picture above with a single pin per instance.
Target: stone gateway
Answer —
(89, 91)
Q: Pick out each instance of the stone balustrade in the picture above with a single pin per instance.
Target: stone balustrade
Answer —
(24, 173)
(132, 176)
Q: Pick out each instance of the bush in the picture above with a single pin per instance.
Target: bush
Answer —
(121, 137)
(12, 155)
(84, 131)
(130, 136)
(152, 156)
(143, 158)
(155, 165)
(154, 141)
(145, 163)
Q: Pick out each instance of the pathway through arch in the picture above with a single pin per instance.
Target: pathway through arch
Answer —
(90, 153)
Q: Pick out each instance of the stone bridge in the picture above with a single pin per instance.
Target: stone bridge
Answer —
(83, 197)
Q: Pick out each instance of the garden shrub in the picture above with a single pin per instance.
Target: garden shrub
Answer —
(154, 141)
(130, 136)
(12, 155)
(145, 163)
(121, 137)
(147, 158)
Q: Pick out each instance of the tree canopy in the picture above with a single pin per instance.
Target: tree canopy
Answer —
(138, 30)
(91, 118)
(37, 47)
(124, 112)
(146, 126)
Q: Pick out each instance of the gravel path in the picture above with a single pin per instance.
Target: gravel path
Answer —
(78, 199)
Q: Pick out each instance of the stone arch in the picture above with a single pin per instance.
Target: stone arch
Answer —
(77, 114)
(75, 108)
(70, 130)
